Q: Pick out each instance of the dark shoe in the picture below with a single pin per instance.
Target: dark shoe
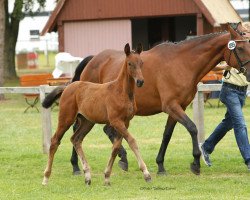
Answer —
(205, 156)
(248, 166)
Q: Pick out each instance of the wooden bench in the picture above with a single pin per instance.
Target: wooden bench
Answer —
(211, 77)
(28, 80)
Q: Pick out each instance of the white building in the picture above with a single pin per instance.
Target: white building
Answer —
(242, 7)
(28, 37)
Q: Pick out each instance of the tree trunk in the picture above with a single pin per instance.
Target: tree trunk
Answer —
(2, 27)
(9, 54)
(11, 33)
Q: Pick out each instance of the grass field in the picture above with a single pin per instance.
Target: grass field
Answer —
(23, 163)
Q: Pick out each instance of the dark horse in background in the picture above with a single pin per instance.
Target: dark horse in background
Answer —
(171, 73)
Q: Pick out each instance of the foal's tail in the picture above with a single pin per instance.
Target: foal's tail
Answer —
(57, 92)
(53, 96)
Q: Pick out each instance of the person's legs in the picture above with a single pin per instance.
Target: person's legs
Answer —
(240, 129)
(220, 131)
(234, 101)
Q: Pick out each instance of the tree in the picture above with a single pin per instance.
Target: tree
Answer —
(12, 21)
(2, 16)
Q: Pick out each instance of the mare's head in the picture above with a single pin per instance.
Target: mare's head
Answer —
(134, 64)
(237, 54)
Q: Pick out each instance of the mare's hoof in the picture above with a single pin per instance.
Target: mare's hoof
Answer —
(88, 182)
(162, 173)
(107, 183)
(195, 168)
(76, 173)
(123, 165)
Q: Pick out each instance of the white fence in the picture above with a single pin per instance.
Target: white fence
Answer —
(46, 115)
(198, 108)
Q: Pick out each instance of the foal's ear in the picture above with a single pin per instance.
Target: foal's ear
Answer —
(127, 49)
(139, 48)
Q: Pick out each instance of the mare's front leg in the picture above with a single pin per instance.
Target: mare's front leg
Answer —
(83, 128)
(115, 149)
(177, 112)
(169, 128)
(121, 128)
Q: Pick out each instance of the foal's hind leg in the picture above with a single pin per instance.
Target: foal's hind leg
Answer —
(83, 128)
(116, 146)
(164, 144)
(121, 128)
(63, 126)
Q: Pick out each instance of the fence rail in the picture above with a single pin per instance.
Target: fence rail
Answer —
(198, 108)
(46, 113)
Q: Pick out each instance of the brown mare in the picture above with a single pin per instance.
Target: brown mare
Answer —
(81, 100)
(171, 73)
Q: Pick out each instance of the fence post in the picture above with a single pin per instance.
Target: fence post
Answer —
(46, 122)
(198, 108)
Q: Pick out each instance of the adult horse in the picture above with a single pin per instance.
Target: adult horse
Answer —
(171, 73)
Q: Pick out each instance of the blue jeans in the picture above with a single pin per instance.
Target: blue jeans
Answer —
(234, 101)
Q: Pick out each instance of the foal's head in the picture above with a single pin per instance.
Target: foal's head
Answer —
(134, 64)
(238, 50)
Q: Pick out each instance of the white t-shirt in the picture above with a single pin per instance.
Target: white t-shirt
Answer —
(235, 78)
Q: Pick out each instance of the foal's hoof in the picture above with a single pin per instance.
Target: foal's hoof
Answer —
(76, 173)
(45, 181)
(123, 165)
(147, 178)
(195, 168)
(88, 182)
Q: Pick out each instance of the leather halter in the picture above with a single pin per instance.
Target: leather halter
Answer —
(240, 63)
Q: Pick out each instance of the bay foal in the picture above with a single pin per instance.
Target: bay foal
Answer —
(111, 103)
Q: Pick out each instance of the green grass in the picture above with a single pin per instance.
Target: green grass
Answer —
(23, 163)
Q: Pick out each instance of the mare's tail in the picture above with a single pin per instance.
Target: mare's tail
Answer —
(80, 68)
(57, 92)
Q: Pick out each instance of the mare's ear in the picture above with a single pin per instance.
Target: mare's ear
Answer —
(139, 48)
(127, 49)
(232, 27)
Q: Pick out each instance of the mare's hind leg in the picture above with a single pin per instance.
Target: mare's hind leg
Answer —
(63, 125)
(121, 128)
(115, 149)
(178, 113)
(164, 144)
(83, 128)
(74, 158)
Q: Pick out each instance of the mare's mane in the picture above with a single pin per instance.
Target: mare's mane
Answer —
(192, 39)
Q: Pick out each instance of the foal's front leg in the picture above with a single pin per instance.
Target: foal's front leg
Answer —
(116, 146)
(121, 128)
